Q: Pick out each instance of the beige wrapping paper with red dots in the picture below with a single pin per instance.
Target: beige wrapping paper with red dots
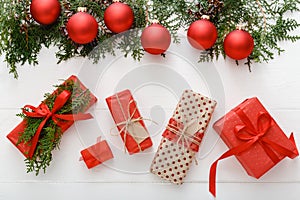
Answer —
(172, 159)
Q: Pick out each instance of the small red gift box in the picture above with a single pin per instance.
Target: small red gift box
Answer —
(129, 122)
(254, 138)
(96, 154)
(27, 149)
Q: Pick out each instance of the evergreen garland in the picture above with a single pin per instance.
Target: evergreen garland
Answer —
(51, 133)
(21, 38)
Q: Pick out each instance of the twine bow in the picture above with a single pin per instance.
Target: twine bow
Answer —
(43, 111)
(250, 135)
(185, 134)
(129, 121)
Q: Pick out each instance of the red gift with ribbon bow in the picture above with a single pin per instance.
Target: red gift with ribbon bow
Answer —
(254, 138)
(64, 121)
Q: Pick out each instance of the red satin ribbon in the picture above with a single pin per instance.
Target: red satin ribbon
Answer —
(43, 111)
(174, 137)
(250, 135)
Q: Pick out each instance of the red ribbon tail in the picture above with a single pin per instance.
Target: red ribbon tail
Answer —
(291, 153)
(296, 152)
(212, 178)
(213, 169)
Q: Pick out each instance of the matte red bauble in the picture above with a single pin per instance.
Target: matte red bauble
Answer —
(202, 34)
(238, 44)
(45, 12)
(118, 17)
(82, 28)
(156, 39)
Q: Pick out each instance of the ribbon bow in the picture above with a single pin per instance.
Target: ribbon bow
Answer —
(251, 136)
(43, 111)
(187, 135)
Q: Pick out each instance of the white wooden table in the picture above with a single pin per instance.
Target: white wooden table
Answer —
(156, 86)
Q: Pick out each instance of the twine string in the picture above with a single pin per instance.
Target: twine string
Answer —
(128, 121)
(184, 139)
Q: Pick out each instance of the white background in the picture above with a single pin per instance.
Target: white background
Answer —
(277, 84)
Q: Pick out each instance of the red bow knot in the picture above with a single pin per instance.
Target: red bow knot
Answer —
(43, 111)
(247, 132)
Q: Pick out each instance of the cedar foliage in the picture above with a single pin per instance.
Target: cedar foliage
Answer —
(268, 21)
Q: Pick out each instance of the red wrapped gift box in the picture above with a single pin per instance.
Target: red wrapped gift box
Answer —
(96, 154)
(254, 138)
(129, 122)
(24, 148)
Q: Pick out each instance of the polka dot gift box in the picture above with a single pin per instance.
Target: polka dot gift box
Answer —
(182, 137)
(254, 138)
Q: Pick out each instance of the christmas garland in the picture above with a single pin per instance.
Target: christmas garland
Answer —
(51, 134)
(24, 30)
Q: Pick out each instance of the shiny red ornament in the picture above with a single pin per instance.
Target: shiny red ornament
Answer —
(156, 39)
(118, 17)
(45, 12)
(82, 28)
(238, 44)
(202, 34)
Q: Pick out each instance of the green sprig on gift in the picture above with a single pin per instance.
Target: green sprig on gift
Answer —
(268, 21)
(50, 136)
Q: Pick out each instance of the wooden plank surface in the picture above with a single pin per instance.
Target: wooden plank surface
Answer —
(276, 83)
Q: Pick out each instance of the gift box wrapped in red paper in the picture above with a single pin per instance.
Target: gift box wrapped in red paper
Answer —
(41, 129)
(254, 138)
(129, 122)
(96, 154)
(182, 137)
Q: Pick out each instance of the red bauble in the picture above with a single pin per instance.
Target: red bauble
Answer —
(202, 34)
(82, 28)
(45, 11)
(238, 44)
(118, 17)
(156, 39)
